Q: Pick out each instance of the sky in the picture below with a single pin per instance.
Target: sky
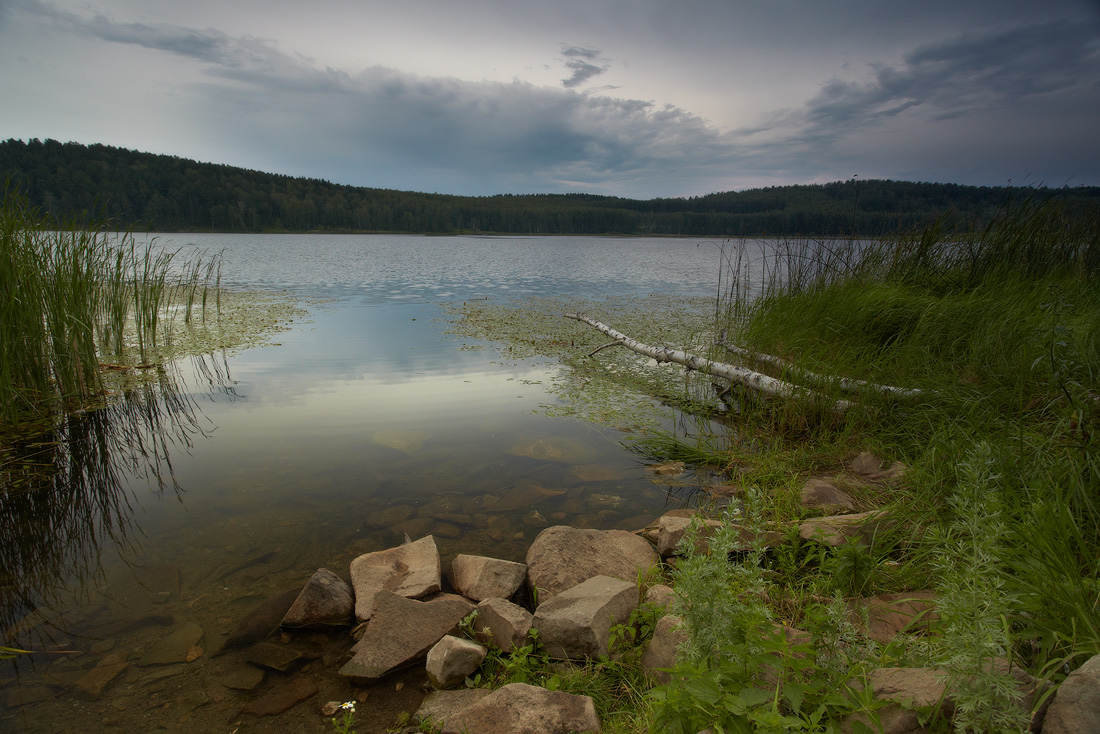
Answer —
(634, 98)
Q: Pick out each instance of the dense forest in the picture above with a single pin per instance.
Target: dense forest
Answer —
(161, 193)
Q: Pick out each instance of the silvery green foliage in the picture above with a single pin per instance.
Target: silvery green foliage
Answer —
(972, 600)
(721, 602)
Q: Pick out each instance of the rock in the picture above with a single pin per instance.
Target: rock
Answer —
(840, 529)
(523, 495)
(281, 698)
(601, 473)
(817, 494)
(670, 469)
(325, 601)
(576, 623)
(659, 596)
(502, 623)
(478, 577)
(598, 502)
(263, 621)
(890, 614)
(870, 466)
(274, 657)
(437, 706)
(661, 653)
(243, 678)
(452, 659)
(1076, 705)
(25, 695)
(388, 516)
(92, 684)
(562, 557)
(411, 570)
(651, 531)
(670, 529)
(173, 647)
(402, 631)
(518, 708)
(407, 441)
(908, 690)
(561, 449)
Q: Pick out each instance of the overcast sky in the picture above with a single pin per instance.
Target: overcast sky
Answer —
(638, 98)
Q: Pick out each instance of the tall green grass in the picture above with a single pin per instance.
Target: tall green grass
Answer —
(74, 292)
(1000, 327)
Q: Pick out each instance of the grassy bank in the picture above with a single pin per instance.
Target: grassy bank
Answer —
(998, 511)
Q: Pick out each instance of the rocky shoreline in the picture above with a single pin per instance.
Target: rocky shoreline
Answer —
(393, 634)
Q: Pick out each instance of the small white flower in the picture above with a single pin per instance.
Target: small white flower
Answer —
(349, 705)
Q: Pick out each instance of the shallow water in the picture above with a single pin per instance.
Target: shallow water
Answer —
(244, 474)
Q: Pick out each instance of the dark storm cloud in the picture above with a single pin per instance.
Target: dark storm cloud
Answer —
(580, 62)
(386, 127)
(1008, 98)
(969, 74)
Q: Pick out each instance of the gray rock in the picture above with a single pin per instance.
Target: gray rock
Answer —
(274, 657)
(173, 647)
(518, 708)
(871, 467)
(1076, 705)
(478, 577)
(437, 706)
(502, 623)
(411, 570)
(242, 678)
(659, 596)
(402, 631)
(840, 529)
(281, 698)
(661, 653)
(92, 684)
(562, 557)
(325, 601)
(888, 615)
(576, 623)
(263, 621)
(817, 494)
(671, 529)
(451, 660)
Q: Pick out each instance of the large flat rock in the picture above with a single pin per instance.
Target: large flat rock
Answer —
(562, 557)
(411, 570)
(518, 708)
(577, 623)
(401, 631)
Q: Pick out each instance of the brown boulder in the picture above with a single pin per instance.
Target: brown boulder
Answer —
(562, 557)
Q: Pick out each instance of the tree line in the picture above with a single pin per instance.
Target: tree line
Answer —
(161, 193)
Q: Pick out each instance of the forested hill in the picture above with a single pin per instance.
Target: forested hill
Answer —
(168, 194)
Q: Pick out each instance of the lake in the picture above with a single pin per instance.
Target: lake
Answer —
(363, 424)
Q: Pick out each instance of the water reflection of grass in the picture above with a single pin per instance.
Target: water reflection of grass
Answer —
(66, 496)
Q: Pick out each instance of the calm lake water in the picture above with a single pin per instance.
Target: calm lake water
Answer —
(365, 423)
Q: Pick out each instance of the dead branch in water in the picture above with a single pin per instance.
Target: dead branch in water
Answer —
(756, 381)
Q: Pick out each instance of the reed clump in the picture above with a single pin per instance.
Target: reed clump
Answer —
(74, 295)
(999, 330)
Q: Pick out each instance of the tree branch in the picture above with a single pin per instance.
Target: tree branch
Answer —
(734, 373)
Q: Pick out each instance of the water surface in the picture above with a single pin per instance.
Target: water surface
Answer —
(365, 424)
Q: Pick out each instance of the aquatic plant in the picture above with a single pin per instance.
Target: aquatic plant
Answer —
(73, 294)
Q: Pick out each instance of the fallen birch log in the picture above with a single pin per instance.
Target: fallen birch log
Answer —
(843, 383)
(734, 373)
